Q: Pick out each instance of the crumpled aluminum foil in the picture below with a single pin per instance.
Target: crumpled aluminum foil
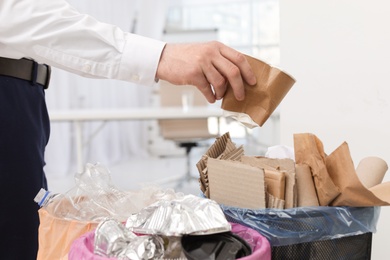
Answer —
(112, 239)
(181, 216)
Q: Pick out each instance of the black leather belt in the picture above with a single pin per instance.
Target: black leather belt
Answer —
(24, 68)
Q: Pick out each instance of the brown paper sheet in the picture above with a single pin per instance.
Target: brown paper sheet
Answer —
(307, 196)
(382, 192)
(342, 171)
(309, 150)
(262, 99)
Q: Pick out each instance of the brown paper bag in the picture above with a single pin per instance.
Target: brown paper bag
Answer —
(262, 99)
(342, 171)
(309, 150)
(307, 196)
(56, 235)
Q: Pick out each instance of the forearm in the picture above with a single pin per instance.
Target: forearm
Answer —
(52, 32)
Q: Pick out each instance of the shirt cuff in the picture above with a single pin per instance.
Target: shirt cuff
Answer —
(140, 59)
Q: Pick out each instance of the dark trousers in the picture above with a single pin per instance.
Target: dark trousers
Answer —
(24, 133)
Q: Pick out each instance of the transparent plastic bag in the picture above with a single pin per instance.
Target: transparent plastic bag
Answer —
(306, 224)
(65, 217)
(94, 197)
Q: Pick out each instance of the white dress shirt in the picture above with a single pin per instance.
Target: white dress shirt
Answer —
(53, 32)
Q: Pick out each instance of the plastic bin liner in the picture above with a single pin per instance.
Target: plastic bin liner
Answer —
(306, 224)
(57, 234)
(82, 247)
(65, 217)
(261, 249)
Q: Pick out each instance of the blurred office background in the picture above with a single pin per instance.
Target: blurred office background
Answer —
(250, 26)
(337, 51)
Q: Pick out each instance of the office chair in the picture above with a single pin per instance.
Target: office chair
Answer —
(186, 133)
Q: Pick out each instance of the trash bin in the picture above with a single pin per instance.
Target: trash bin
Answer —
(83, 247)
(312, 232)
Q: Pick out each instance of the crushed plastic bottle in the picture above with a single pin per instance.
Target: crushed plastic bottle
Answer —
(44, 197)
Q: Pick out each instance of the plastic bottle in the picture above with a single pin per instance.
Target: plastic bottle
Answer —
(44, 197)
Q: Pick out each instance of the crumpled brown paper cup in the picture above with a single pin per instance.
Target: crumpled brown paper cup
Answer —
(260, 100)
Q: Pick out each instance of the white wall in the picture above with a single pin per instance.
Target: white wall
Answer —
(339, 52)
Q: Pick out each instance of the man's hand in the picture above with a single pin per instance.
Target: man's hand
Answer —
(208, 66)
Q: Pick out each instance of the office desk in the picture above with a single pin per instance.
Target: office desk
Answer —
(77, 117)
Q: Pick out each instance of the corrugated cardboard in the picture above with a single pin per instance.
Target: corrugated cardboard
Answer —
(262, 99)
(285, 165)
(233, 179)
(236, 184)
(222, 148)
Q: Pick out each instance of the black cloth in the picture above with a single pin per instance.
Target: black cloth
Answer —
(24, 133)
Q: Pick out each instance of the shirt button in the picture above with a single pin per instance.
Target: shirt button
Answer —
(135, 77)
(87, 67)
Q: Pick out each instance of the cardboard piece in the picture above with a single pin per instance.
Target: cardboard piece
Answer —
(276, 183)
(273, 202)
(235, 184)
(309, 150)
(285, 165)
(307, 196)
(260, 100)
(222, 148)
(233, 179)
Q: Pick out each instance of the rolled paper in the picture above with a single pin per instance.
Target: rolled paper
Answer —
(371, 171)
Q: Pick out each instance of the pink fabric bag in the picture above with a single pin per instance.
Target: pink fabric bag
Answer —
(82, 248)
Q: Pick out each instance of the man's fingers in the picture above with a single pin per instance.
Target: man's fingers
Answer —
(208, 66)
(204, 86)
(207, 92)
(233, 75)
(241, 62)
(217, 81)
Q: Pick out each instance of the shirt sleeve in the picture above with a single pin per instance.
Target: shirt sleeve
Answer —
(55, 33)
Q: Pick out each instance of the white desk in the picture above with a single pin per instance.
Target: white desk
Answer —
(77, 117)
